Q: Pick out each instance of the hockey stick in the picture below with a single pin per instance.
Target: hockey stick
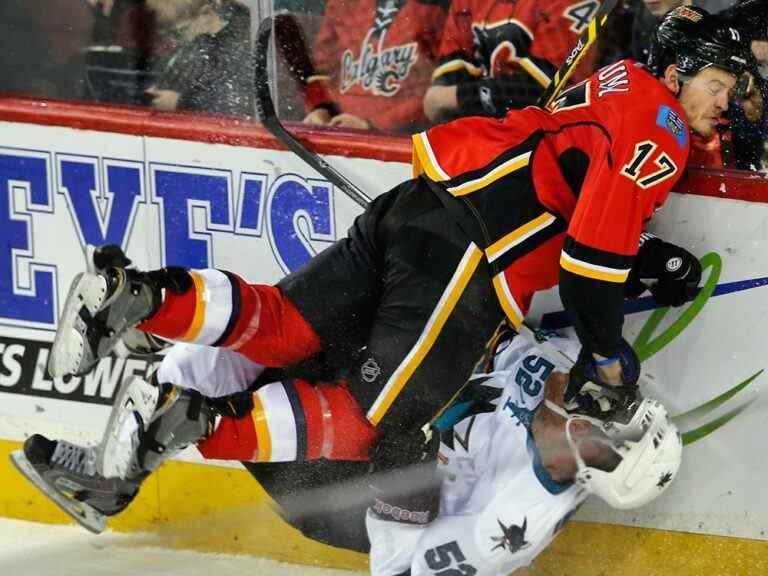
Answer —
(268, 116)
(586, 40)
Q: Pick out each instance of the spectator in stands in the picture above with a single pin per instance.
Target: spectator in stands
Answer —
(496, 56)
(41, 43)
(25, 50)
(211, 68)
(648, 15)
(375, 58)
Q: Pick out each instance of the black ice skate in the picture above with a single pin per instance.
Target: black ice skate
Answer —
(100, 308)
(65, 473)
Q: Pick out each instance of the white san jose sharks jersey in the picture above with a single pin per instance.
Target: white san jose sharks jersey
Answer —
(499, 507)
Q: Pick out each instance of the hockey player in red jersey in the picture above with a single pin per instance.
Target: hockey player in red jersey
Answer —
(407, 301)
(507, 429)
(500, 55)
(374, 59)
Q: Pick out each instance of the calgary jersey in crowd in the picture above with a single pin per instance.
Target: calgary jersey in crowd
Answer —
(492, 38)
(377, 57)
(563, 194)
(499, 507)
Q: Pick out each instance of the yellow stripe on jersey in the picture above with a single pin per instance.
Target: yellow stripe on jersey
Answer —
(263, 437)
(500, 171)
(507, 301)
(198, 319)
(518, 235)
(455, 66)
(432, 329)
(581, 268)
(534, 71)
(427, 159)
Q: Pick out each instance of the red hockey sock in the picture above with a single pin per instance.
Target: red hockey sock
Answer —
(294, 421)
(221, 309)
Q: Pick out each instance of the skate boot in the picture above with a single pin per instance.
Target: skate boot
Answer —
(98, 311)
(101, 307)
(150, 423)
(66, 473)
(98, 259)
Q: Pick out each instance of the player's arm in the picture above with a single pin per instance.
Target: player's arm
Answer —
(456, 64)
(625, 182)
(509, 76)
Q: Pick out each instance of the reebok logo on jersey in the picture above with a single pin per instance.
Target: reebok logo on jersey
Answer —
(672, 123)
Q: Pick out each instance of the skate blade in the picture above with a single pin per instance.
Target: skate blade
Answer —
(84, 514)
(87, 291)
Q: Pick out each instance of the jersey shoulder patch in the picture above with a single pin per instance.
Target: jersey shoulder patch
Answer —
(671, 121)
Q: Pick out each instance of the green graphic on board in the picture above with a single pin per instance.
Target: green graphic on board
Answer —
(646, 345)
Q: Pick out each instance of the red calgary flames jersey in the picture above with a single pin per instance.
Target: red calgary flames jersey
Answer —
(377, 57)
(569, 187)
(492, 37)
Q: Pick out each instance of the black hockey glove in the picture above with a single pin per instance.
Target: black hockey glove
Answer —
(110, 256)
(587, 393)
(670, 272)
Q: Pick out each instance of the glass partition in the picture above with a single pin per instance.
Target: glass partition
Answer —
(384, 65)
(185, 55)
(401, 65)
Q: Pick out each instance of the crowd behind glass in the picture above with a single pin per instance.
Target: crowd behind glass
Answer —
(369, 71)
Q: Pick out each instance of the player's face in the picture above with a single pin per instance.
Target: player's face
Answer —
(660, 7)
(705, 97)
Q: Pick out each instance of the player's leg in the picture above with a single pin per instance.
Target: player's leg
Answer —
(437, 312)
(269, 324)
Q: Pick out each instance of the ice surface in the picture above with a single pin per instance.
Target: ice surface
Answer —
(31, 549)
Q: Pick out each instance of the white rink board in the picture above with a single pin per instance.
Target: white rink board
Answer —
(261, 212)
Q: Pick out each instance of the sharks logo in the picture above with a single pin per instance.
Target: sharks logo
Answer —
(665, 479)
(512, 537)
(523, 415)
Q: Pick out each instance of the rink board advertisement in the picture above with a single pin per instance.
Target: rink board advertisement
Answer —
(261, 212)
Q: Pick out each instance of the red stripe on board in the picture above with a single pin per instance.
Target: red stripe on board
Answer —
(722, 183)
(718, 183)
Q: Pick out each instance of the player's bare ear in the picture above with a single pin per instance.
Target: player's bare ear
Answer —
(671, 79)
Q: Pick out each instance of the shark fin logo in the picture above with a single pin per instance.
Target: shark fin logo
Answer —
(512, 537)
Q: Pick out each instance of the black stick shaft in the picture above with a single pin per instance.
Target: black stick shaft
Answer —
(268, 116)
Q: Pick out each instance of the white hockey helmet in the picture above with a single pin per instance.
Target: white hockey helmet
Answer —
(649, 451)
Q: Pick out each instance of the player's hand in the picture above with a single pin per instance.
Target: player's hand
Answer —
(599, 391)
(318, 116)
(163, 99)
(440, 102)
(350, 121)
(670, 272)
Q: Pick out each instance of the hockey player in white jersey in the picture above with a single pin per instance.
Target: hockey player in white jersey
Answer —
(513, 463)
(514, 475)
